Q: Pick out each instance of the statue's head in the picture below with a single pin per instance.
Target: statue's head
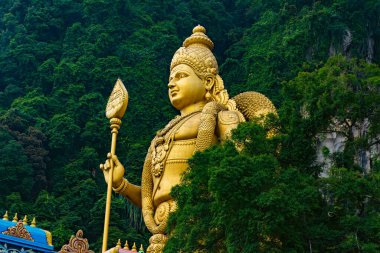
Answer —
(195, 66)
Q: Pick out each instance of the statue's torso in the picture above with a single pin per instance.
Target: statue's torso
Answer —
(180, 150)
(182, 147)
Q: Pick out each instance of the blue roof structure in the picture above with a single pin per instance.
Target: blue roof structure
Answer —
(17, 237)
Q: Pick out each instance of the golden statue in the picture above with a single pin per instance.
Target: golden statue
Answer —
(207, 116)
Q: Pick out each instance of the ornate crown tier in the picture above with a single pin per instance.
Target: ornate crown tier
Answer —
(196, 52)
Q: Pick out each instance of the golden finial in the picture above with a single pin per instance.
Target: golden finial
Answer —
(199, 29)
(126, 246)
(5, 217)
(33, 224)
(15, 218)
(118, 244)
(141, 248)
(134, 248)
(25, 220)
(199, 38)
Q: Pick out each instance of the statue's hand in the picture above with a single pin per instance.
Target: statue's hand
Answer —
(118, 170)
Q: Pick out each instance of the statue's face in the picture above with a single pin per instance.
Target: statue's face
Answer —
(185, 87)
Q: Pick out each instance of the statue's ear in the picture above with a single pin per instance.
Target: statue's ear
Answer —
(215, 89)
(209, 82)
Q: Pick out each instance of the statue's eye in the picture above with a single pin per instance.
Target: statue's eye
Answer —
(182, 75)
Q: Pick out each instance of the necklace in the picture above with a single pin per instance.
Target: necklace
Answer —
(161, 143)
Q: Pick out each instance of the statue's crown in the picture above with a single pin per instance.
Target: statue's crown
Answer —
(196, 52)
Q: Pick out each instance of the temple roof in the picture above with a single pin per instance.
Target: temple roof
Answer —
(25, 236)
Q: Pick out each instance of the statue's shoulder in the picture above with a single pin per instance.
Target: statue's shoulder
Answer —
(229, 117)
(227, 121)
(246, 106)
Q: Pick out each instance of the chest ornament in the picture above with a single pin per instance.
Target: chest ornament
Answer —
(163, 140)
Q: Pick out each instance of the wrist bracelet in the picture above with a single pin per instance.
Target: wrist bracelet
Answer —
(122, 187)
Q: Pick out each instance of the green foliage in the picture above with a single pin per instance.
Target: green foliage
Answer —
(282, 38)
(15, 169)
(244, 200)
(339, 97)
(353, 209)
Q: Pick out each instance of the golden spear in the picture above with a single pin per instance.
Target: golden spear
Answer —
(116, 106)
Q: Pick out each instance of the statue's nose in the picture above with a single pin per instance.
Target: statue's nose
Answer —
(171, 84)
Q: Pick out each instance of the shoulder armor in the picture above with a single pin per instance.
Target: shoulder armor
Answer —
(227, 121)
(228, 118)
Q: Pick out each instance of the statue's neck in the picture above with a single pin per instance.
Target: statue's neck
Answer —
(192, 108)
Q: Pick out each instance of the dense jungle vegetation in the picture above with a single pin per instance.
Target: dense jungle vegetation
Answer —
(317, 60)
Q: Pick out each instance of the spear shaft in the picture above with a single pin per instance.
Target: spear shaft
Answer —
(115, 126)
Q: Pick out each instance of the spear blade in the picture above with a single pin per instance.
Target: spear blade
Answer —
(118, 101)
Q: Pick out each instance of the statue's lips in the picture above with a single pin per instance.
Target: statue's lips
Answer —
(173, 93)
